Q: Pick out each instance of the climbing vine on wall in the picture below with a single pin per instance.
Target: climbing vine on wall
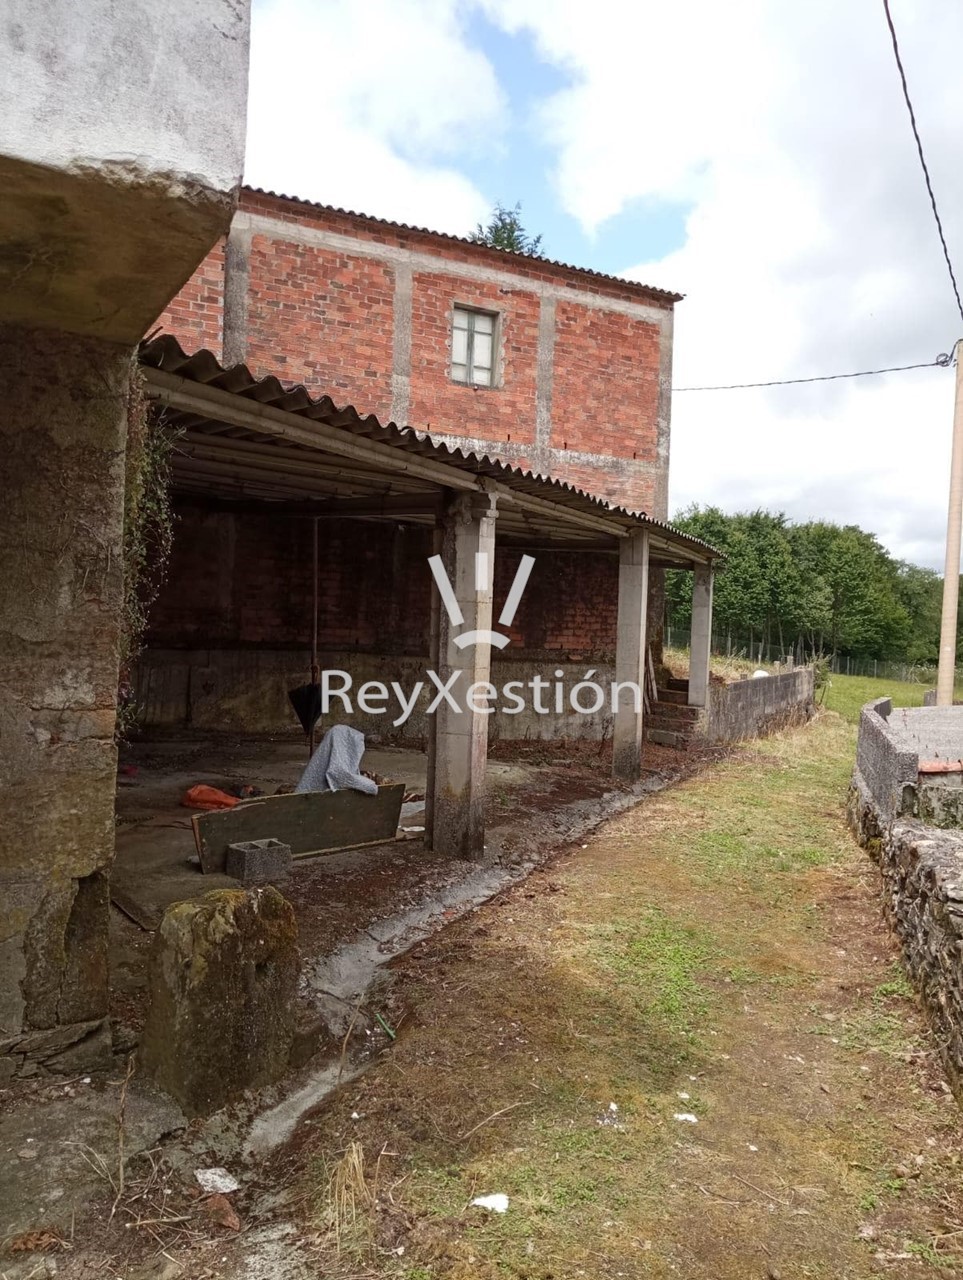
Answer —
(148, 530)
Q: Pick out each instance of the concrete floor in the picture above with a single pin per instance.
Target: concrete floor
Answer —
(934, 733)
(336, 896)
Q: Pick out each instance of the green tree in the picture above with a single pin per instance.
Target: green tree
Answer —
(505, 231)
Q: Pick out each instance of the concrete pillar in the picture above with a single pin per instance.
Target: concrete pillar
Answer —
(701, 638)
(630, 654)
(458, 751)
(62, 438)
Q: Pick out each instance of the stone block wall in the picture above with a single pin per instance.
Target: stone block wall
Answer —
(887, 767)
(922, 891)
(751, 708)
(62, 439)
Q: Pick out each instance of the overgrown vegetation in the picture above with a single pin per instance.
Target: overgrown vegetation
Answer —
(815, 588)
(148, 530)
(684, 1049)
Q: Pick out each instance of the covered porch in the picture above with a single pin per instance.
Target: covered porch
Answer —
(254, 450)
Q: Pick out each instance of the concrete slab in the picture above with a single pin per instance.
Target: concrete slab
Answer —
(59, 1145)
(156, 865)
(934, 733)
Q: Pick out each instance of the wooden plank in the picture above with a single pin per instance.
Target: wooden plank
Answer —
(310, 822)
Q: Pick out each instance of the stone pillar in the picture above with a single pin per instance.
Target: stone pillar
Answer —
(630, 657)
(701, 636)
(62, 440)
(458, 751)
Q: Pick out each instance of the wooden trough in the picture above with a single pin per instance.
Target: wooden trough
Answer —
(311, 822)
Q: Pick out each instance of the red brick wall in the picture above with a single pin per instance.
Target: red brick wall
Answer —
(195, 316)
(505, 412)
(324, 315)
(324, 319)
(441, 246)
(617, 358)
(244, 581)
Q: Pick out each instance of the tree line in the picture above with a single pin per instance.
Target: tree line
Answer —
(813, 588)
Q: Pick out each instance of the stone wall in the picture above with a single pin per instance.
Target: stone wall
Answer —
(245, 691)
(922, 889)
(909, 762)
(886, 766)
(61, 474)
(752, 708)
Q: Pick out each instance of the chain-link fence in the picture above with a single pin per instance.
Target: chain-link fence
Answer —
(766, 654)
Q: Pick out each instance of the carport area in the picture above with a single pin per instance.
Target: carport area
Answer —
(314, 544)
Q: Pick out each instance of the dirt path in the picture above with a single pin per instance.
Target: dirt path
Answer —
(683, 1050)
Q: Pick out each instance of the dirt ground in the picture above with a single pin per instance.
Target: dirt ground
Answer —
(337, 896)
(684, 1048)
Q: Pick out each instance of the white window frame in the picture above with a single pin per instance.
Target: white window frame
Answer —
(470, 380)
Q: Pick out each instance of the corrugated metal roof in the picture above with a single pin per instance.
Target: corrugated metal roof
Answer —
(202, 367)
(666, 295)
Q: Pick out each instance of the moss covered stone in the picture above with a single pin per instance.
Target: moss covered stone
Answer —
(223, 979)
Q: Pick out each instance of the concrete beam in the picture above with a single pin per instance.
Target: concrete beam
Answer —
(121, 150)
(630, 655)
(458, 740)
(701, 636)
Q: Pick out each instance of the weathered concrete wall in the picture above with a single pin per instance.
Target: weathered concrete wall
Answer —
(922, 888)
(62, 435)
(245, 690)
(886, 767)
(909, 761)
(750, 708)
(121, 134)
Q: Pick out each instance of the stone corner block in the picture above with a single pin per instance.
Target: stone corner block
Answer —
(223, 981)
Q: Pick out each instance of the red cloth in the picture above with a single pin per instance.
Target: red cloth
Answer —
(203, 797)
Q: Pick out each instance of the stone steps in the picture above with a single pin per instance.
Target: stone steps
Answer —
(671, 721)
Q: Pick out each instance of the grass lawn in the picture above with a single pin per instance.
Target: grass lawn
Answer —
(682, 1049)
(848, 694)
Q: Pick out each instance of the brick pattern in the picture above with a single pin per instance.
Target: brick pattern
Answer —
(195, 316)
(322, 318)
(441, 246)
(605, 395)
(245, 582)
(503, 412)
(325, 317)
(620, 482)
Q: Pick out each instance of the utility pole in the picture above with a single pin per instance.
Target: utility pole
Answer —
(946, 675)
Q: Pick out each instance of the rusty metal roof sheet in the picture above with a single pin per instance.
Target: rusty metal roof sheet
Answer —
(165, 353)
(665, 295)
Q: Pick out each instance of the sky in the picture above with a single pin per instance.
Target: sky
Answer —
(755, 156)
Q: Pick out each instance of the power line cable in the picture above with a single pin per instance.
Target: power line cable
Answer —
(919, 148)
(941, 362)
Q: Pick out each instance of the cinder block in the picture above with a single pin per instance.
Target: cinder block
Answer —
(259, 861)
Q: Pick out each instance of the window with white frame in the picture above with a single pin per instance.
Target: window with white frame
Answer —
(473, 347)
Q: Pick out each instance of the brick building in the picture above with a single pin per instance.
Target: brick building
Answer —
(552, 368)
(547, 367)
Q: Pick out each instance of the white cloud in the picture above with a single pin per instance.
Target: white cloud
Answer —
(365, 105)
(809, 247)
(809, 244)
